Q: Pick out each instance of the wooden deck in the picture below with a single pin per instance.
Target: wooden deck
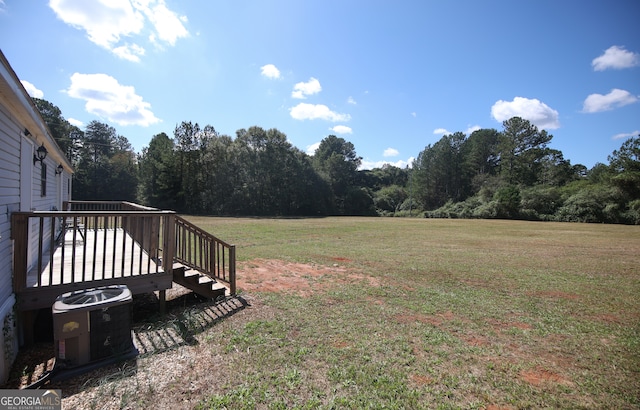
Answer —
(103, 257)
(103, 254)
(94, 244)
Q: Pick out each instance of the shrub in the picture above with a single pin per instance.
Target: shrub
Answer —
(507, 200)
(542, 200)
(598, 204)
(486, 210)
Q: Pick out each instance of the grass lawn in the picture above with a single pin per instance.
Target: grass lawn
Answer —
(408, 313)
(456, 314)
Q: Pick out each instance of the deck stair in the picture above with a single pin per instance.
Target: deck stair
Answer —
(198, 282)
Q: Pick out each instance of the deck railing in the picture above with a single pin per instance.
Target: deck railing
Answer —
(93, 246)
(137, 228)
(194, 247)
(204, 252)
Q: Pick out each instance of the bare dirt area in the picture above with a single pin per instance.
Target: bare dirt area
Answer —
(539, 376)
(273, 275)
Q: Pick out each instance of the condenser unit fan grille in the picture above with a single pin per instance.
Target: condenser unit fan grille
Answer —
(93, 296)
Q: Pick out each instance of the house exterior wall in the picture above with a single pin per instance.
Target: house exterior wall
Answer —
(9, 202)
(17, 114)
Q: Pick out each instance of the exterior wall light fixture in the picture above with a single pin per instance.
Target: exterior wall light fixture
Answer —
(40, 155)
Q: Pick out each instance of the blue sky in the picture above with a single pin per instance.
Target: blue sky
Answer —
(388, 76)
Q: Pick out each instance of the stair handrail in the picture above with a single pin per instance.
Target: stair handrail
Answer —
(204, 252)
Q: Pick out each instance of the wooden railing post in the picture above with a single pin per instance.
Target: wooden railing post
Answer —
(232, 269)
(168, 251)
(154, 244)
(169, 241)
(20, 236)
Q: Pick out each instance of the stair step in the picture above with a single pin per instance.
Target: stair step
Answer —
(205, 281)
(198, 282)
(217, 286)
(192, 276)
(178, 269)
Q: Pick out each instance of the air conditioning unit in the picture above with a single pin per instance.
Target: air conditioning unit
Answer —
(93, 325)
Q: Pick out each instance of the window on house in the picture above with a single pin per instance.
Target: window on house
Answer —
(43, 179)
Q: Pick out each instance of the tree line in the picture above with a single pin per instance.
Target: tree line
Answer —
(510, 173)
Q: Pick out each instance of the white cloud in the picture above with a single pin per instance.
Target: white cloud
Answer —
(341, 129)
(366, 164)
(443, 131)
(302, 90)
(615, 99)
(311, 149)
(168, 24)
(32, 90)
(626, 135)
(414, 114)
(304, 111)
(75, 122)
(129, 52)
(270, 71)
(390, 152)
(533, 110)
(351, 101)
(104, 22)
(617, 58)
(108, 22)
(107, 98)
(470, 130)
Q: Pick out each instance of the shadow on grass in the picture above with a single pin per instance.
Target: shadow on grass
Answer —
(184, 320)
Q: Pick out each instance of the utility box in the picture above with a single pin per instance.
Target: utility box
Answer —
(93, 324)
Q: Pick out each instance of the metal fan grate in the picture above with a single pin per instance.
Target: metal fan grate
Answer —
(92, 296)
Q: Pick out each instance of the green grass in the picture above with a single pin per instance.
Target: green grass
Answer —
(466, 314)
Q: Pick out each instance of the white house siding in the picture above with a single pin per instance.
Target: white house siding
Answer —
(66, 189)
(9, 195)
(10, 135)
(50, 201)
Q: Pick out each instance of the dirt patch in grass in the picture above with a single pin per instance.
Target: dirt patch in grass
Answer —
(420, 379)
(502, 326)
(540, 376)
(273, 275)
(476, 341)
(609, 318)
